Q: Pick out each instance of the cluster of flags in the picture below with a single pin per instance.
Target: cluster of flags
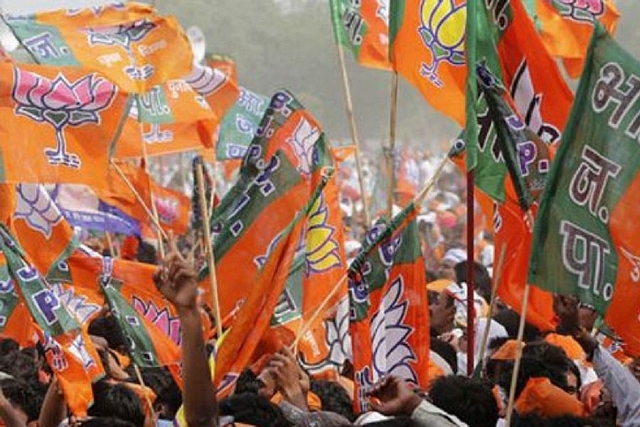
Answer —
(116, 84)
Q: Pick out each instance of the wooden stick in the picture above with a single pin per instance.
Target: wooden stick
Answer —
(354, 134)
(152, 217)
(497, 275)
(209, 247)
(112, 251)
(516, 367)
(471, 313)
(427, 188)
(307, 325)
(154, 209)
(136, 368)
(391, 155)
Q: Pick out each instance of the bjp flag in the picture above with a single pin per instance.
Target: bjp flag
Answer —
(109, 14)
(58, 124)
(566, 27)
(169, 118)
(427, 47)
(173, 207)
(136, 55)
(217, 82)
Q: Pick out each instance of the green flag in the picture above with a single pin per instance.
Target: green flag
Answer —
(585, 237)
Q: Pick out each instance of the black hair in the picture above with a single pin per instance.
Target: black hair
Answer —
(334, 398)
(107, 327)
(146, 254)
(400, 421)
(469, 399)
(481, 277)
(8, 346)
(253, 409)
(553, 356)
(106, 422)
(511, 321)
(247, 382)
(117, 400)
(534, 367)
(22, 395)
(168, 394)
(446, 351)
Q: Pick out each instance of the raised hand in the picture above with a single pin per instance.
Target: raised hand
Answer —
(394, 396)
(284, 369)
(176, 280)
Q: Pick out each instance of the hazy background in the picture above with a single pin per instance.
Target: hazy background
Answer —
(289, 44)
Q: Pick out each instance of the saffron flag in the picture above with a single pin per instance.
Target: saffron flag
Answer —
(13, 311)
(253, 318)
(136, 55)
(566, 26)
(173, 207)
(540, 94)
(217, 83)
(169, 118)
(239, 125)
(585, 231)
(388, 306)
(363, 27)
(58, 124)
(108, 14)
(54, 326)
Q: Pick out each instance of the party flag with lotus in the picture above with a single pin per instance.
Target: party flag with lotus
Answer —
(585, 232)
(566, 26)
(58, 124)
(173, 207)
(363, 27)
(389, 321)
(53, 325)
(108, 14)
(136, 55)
(169, 118)
(240, 124)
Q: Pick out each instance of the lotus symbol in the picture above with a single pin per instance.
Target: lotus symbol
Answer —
(61, 103)
(581, 10)
(321, 247)
(124, 36)
(443, 33)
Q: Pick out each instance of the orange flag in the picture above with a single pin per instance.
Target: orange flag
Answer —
(136, 55)
(217, 82)
(174, 208)
(427, 48)
(119, 195)
(253, 318)
(58, 124)
(566, 27)
(109, 14)
(170, 118)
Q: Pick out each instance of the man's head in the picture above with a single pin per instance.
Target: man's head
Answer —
(470, 400)
(22, 398)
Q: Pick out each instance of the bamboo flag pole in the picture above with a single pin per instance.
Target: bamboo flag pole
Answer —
(354, 134)
(516, 367)
(154, 209)
(323, 305)
(209, 246)
(139, 198)
(391, 155)
(497, 276)
(471, 312)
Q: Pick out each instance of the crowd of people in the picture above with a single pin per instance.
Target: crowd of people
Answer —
(566, 377)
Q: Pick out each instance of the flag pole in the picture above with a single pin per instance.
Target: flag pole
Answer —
(391, 155)
(154, 208)
(516, 366)
(138, 197)
(204, 211)
(470, 273)
(497, 276)
(305, 327)
(354, 134)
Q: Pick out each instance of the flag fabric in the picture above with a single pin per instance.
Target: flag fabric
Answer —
(585, 231)
(114, 208)
(59, 124)
(135, 54)
(252, 321)
(510, 48)
(389, 316)
(217, 82)
(13, 311)
(525, 155)
(38, 226)
(239, 125)
(363, 27)
(427, 48)
(566, 26)
(107, 14)
(170, 118)
(54, 326)
(173, 207)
